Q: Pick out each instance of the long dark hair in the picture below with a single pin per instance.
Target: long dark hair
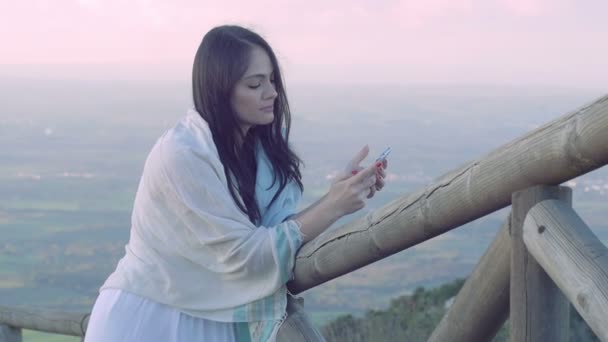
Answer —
(221, 60)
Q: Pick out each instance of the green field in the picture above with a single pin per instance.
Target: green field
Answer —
(36, 336)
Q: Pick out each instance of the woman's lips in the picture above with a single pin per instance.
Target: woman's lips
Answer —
(267, 109)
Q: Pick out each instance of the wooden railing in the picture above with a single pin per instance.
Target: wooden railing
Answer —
(543, 259)
(12, 320)
(541, 249)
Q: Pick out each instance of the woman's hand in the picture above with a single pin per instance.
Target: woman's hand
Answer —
(347, 195)
(379, 177)
(353, 167)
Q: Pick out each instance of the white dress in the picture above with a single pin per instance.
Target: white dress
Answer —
(129, 317)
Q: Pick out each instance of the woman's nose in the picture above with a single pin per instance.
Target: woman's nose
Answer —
(271, 92)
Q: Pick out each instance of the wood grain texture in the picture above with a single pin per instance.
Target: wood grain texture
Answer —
(538, 309)
(566, 148)
(573, 257)
(64, 323)
(482, 305)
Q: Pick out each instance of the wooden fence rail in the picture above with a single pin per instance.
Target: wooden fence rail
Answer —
(574, 258)
(566, 148)
(57, 322)
(555, 260)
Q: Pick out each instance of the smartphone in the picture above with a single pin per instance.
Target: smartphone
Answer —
(384, 154)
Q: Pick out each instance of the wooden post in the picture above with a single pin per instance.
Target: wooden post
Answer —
(573, 257)
(482, 305)
(10, 334)
(538, 310)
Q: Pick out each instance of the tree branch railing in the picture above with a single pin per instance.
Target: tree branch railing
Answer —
(563, 149)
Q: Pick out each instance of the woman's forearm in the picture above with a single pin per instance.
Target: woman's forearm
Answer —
(316, 218)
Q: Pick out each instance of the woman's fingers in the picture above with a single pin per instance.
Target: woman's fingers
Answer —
(364, 174)
(381, 172)
(372, 192)
(365, 179)
(374, 175)
(358, 158)
(347, 174)
(380, 175)
(356, 170)
(379, 184)
(352, 167)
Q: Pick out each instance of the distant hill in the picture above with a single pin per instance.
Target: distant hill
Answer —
(413, 318)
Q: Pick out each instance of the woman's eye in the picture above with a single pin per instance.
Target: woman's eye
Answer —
(254, 86)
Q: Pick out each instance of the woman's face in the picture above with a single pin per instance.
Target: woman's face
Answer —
(254, 94)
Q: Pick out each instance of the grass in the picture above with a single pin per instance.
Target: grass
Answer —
(37, 336)
(320, 318)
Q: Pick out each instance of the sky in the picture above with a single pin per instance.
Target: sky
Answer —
(515, 42)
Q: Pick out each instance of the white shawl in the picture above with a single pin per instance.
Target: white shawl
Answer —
(192, 248)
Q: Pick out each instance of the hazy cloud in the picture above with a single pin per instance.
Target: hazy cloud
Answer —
(550, 41)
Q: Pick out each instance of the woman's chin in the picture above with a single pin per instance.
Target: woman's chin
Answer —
(268, 118)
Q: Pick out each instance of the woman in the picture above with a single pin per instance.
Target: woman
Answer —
(214, 227)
